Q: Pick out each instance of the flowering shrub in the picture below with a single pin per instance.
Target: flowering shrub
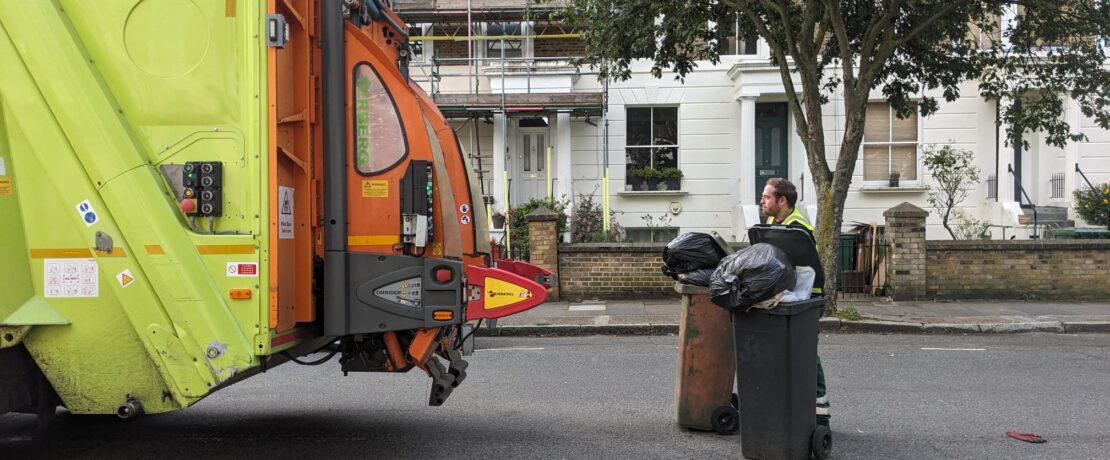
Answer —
(587, 224)
(1093, 204)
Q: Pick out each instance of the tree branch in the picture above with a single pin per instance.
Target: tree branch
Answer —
(876, 29)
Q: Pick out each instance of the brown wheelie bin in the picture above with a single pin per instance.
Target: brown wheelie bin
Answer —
(706, 365)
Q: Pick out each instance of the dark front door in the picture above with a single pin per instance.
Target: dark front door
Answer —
(771, 152)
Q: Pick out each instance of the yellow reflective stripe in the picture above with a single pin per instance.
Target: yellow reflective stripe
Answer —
(792, 218)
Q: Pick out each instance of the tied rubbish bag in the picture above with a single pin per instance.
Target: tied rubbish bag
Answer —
(699, 277)
(689, 252)
(751, 276)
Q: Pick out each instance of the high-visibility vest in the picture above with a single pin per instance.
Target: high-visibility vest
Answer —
(796, 217)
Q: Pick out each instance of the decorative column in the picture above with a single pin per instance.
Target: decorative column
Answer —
(564, 169)
(906, 262)
(543, 243)
(500, 154)
(743, 188)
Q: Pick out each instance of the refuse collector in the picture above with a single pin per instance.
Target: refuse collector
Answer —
(778, 201)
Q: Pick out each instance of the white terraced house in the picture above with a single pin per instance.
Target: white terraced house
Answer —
(537, 125)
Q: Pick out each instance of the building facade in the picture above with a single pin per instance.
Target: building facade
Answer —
(537, 126)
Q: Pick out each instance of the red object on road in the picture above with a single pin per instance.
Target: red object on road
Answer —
(1027, 437)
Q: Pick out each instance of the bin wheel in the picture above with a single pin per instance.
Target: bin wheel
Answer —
(726, 420)
(735, 401)
(822, 442)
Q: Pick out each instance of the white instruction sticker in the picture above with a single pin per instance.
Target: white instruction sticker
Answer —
(70, 278)
(285, 213)
(3, 169)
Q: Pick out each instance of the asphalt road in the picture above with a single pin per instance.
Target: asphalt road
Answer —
(611, 397)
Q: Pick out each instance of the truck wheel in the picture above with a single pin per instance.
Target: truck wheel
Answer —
(726, 420)
(822, 442)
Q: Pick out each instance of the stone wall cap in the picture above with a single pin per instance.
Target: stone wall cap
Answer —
(542, 214)
(906, 209)
(1016, 245)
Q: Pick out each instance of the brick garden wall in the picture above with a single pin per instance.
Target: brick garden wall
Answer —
(1044, 270)
(613, 271)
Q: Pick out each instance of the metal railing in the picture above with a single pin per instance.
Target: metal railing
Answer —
(1057, 183)
(501, 66)
(860, 278)
(1089, 184)
(992, 187)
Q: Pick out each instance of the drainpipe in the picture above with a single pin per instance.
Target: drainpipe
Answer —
(335, 172)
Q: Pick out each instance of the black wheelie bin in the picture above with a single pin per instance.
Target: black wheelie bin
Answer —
(776, 363)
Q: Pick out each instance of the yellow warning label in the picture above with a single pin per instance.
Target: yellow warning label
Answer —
(5, 186)
(375, 189)
(437, 249)
(501, 294)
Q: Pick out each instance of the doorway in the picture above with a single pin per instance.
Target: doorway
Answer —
(771, 144)
(530, 168)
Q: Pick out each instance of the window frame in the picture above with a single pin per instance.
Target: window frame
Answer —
(734, 46)
(890, 132)
(654, 231)
(523, 29)
(354, 121)
(651, 123)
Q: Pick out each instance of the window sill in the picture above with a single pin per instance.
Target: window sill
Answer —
(652, 193)
(888, 189)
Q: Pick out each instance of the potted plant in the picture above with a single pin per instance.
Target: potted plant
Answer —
(635, 179)
(894, 176)
(672, 177)
(498, 220)
(652, 177)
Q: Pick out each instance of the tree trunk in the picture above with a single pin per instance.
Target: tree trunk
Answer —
(828, 239)
(944, 221)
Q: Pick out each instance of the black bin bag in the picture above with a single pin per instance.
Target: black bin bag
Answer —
(751, 276)
(699, 277)
(689, 252)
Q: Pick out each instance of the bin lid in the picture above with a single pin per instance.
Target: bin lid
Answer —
(794, 308)
(798, 245)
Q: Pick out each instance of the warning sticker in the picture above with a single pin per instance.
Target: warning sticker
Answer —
(503, 293)
(375, 189)
(5, 186)
(242, 269)
(70, 278)
(285, 213)
(125, 278)
(464, 208)
(465, 219)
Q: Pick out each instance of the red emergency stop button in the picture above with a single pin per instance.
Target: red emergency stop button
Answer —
(443, 274)
(189, 205)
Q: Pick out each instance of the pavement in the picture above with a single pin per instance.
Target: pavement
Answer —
(661, 316)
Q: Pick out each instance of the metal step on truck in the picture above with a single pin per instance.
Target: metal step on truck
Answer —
(195, 191)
